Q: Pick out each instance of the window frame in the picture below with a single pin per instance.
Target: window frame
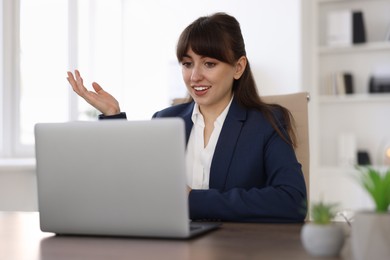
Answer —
(9, 112)
(10, 144)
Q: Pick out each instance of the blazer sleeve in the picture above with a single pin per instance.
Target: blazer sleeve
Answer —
(121, 115)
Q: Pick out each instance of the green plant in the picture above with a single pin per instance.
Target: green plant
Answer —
(323, 213)
(377, 184)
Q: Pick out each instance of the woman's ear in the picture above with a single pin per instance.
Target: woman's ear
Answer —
(240, 67)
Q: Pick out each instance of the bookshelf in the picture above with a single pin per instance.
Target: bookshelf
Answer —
(361, 48)
(361, 114)
(362, 98)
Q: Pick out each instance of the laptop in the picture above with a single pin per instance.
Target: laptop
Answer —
(114, 178)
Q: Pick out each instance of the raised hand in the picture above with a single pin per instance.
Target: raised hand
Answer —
(99, 99)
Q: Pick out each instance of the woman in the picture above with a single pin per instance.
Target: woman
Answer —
(240, 151)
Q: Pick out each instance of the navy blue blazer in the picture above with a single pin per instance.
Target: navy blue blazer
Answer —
(254, 175)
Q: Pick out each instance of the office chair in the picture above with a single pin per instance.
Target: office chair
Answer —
(297, 103)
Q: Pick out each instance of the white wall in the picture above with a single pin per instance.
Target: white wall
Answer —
(271, 29)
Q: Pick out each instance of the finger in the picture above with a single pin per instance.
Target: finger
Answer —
(78, 76)
(70, 77)
(72, 82)
(97, 87)
(79, 80)
(79, 83)
(70, 74)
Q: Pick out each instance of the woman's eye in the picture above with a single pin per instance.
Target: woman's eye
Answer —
(210, 64)
(186, 64)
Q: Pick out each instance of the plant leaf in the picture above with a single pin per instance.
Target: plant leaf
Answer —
(377, 185)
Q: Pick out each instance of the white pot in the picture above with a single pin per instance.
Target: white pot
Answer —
(370, 236)
(322, 240)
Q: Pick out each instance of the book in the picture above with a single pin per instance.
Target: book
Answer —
(348, 83)
(345, 27)
(340, 83)
(339, 26)
(358, 28)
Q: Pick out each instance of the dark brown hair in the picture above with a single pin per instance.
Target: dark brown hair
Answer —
(219, 36)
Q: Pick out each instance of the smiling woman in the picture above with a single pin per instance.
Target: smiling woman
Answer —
(204, 74)
(235, 140)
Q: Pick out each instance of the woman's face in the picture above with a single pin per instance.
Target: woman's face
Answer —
(210, 81)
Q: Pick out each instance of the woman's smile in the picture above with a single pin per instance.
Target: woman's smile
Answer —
(201, 90)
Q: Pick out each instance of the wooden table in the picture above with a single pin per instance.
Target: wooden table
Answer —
(21, 238)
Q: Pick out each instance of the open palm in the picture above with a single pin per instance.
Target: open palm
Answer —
(100, 99)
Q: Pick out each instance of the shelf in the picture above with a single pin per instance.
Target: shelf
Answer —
(362, 114)
(339, 170)
(355, 98)
(363, 47)
(337, 1)
(333, 1)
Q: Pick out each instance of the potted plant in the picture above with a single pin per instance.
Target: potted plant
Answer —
(321, 236)
(370, 233)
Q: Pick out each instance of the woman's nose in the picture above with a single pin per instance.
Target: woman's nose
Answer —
(196, 74)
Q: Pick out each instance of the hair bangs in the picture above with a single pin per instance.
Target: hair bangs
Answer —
(205, 39)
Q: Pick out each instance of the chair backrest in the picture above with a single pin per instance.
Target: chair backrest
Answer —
(297, 103)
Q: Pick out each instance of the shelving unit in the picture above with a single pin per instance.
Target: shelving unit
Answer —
(362, 98)
(366, 47)
(364, 115)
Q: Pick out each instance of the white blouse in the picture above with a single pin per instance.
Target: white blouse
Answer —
(198, 157)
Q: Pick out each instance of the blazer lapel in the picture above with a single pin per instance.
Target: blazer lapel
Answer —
(226, 144)
(186, 115)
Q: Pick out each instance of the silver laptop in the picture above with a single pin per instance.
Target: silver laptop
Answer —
(114, 178)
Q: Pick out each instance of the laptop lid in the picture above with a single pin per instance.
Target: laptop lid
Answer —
(113, 177)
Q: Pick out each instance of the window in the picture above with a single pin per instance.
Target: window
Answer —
(42, 93)
(36, 55)
(48, 38)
